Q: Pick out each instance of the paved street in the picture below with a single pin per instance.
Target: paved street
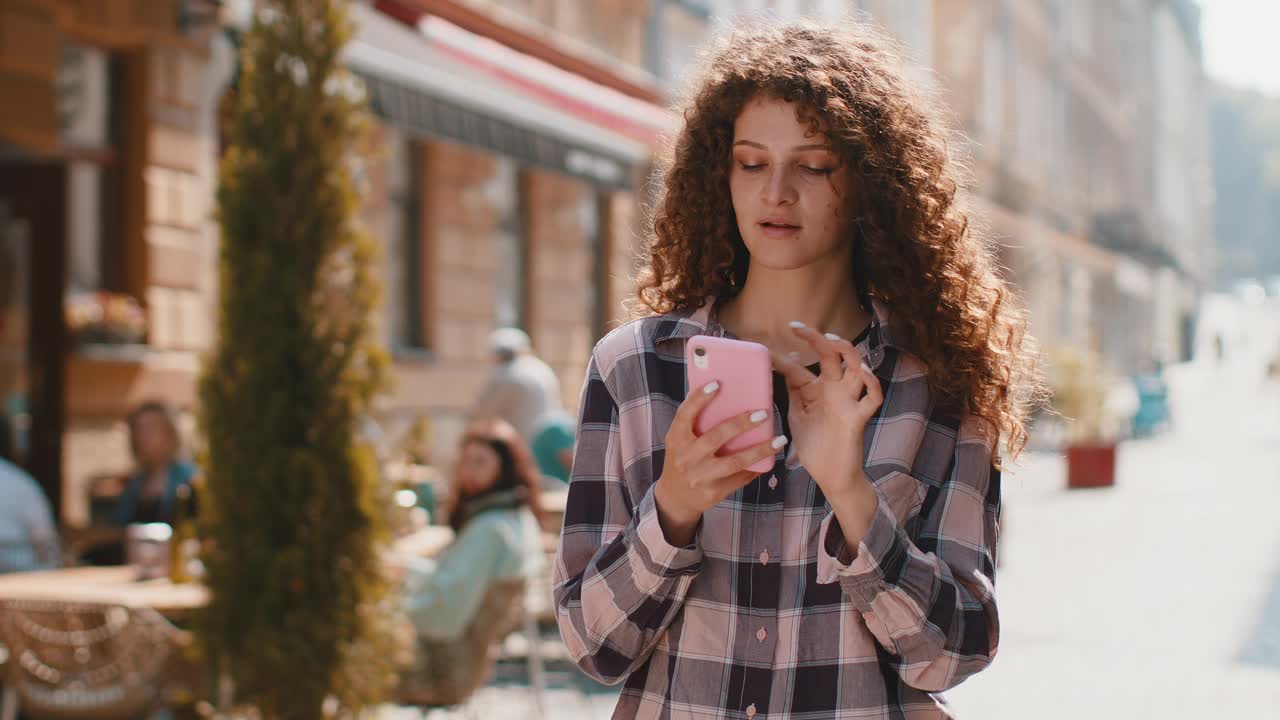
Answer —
(1158, 598)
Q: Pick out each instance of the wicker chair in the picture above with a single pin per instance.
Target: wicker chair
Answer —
(77, 660)
(445, 674)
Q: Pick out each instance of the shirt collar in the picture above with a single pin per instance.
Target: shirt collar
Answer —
(684, 324)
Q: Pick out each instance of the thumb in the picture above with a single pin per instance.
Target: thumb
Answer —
(733, 483)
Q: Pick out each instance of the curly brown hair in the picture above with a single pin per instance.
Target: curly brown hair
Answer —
(915, 249)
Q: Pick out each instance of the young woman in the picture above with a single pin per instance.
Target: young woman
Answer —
(493, 510)
(472, 596)
(810, 205)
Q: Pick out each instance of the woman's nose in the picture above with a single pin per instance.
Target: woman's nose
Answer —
(779, 188)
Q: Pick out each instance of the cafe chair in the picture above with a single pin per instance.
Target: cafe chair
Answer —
(447, 674)
(89, 661)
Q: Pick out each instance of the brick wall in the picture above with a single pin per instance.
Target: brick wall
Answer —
(624, 246)
(179, 182)
(563, 213)
(458, 223)
(464, 194)
(170, 240)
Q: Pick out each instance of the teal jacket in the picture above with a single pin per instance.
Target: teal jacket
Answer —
(180, 473)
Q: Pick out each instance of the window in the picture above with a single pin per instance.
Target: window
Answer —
(1081, 28)
(673, 44)
(506, 192)
(15, 335)
(593, 219)
(405, 268)
(991, 117)
(88, 84)
(911, 21)
(1033, 113)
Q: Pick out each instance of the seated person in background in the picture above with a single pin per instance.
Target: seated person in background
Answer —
(151, 489)
(553, 445)
(149, 494)
(493, 510)
(28, 536)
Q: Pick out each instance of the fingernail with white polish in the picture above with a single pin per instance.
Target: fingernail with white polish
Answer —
(866, 367)
(832, 336)
(779, 441)
(759, 416)
(711, 387)
(793, 355)
(797, 324)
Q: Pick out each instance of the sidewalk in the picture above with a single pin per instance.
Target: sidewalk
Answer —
(1159, 598)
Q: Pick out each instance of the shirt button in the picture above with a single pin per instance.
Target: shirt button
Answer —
(773, 482)
(751, 710)
(761, 634)
(764, 557)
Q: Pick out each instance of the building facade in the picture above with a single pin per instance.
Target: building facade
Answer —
(107, 156)
(1090, 155)
(513, 141)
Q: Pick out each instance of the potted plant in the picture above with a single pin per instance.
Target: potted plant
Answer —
(105, 318)
(1080, 382)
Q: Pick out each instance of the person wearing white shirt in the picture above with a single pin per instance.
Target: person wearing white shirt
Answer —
(522, 388)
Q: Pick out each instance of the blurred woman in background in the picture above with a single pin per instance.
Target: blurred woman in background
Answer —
(475, 591)
(156, 444)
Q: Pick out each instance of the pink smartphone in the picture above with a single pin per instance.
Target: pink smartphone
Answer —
(746, 385)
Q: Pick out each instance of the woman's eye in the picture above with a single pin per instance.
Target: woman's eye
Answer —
(751, 168)
(818, 170)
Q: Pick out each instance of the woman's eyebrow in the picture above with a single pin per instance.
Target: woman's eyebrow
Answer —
(797, 148)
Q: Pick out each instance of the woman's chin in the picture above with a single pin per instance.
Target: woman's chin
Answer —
(777, 257)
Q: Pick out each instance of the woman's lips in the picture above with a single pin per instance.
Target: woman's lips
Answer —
(778, 229)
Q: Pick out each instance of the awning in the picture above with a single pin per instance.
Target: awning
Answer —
(441, 81)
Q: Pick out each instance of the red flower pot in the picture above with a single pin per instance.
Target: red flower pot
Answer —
(1092, 465)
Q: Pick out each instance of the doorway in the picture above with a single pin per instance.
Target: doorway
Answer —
(33, 337)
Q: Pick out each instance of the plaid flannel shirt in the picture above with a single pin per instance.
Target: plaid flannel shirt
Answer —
(767, 613)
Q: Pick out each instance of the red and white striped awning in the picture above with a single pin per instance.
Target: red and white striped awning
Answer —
(439, 79)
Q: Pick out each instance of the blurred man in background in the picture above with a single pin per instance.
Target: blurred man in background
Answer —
(522, 388)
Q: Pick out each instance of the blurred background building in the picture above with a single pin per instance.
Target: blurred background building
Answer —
(515, 141)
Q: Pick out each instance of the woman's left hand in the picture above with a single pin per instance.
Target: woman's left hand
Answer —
(829, 412)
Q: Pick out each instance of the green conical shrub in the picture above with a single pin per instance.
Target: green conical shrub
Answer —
(290, 506)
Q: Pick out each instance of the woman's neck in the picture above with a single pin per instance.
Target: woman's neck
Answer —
(821, 295)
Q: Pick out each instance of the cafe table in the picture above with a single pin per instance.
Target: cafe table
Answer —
(118, 585)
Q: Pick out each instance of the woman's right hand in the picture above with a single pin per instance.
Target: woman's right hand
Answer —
(694, 479)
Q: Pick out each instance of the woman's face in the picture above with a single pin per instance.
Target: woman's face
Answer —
(153, 439)
(478, 468)
(787, 186)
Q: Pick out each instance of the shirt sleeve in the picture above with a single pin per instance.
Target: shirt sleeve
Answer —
(37, 520)
(441, 598)
(42, 531)
(617, 583)
(929, 598)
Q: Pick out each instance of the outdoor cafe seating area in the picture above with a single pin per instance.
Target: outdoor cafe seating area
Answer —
(114, 641)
